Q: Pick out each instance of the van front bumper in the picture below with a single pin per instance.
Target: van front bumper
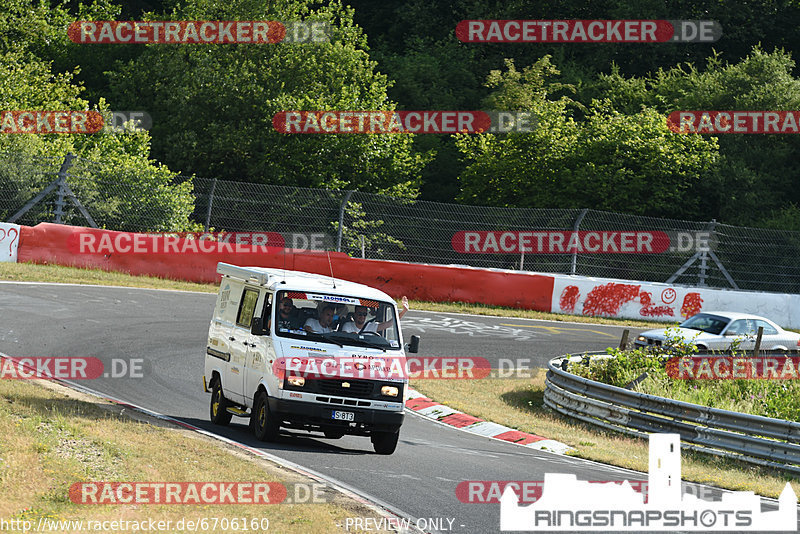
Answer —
(317, 416)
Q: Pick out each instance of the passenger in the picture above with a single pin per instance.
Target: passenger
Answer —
(360, 324)
(325, 322)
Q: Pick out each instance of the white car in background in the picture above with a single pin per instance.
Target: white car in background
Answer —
(718, 330)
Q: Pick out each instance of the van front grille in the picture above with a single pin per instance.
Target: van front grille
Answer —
(355, 388)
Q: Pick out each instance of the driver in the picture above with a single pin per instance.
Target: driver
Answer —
(288, 315)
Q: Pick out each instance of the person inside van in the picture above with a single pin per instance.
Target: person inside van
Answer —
(360, 324)
(324, 324)
(288, 315)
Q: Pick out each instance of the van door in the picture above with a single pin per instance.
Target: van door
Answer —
(260, 355)
(240, 343)
(219, 331)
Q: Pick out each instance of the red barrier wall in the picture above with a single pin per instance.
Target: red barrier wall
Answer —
(56, 244)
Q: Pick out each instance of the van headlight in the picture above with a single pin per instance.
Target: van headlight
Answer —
(390, 391)
(642, 339)
(296, 381)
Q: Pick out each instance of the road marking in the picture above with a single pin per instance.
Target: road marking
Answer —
(559, 329)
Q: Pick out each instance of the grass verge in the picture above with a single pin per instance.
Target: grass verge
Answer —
(54, 437)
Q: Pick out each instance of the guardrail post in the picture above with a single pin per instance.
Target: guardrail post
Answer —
(624, 341)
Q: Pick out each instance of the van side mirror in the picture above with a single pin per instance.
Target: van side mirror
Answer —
(257, 327)
(413, 347)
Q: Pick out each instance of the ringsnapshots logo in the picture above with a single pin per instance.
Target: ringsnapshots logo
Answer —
(588, 31)
(199, 32)
(567, 504)
(403, 122)
(734, 122)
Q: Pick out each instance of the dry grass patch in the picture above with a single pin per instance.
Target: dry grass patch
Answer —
(32, 272)
(518, 403)
(54, 437)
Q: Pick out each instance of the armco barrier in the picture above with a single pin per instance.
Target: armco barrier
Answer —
(56, 244)
(752, 438)
(607, 297)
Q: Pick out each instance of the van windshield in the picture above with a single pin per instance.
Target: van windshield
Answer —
(338, 319)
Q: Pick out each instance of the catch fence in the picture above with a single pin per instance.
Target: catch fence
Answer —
(583, 242)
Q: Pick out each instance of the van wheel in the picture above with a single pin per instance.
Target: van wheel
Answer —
(384, 442)
(264, 427)
(218, 412)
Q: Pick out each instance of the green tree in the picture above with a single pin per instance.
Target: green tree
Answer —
(755, 175)
(611, 161)
(212, 106)
(125, 189)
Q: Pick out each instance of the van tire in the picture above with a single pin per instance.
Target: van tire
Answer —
(264, 427)
(384, 442)
(218, 412)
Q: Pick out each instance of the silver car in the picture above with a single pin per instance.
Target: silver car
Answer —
(718, 330)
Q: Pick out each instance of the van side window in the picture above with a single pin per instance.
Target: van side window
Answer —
(246, 307)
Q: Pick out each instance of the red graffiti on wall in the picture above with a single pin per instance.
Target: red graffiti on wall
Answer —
(569, 298)
(692, 304)
(648, 310)
(609, 298)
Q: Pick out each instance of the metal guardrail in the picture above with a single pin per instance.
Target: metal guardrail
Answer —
(752, 438)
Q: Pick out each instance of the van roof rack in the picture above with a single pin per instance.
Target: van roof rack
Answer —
(260, 278)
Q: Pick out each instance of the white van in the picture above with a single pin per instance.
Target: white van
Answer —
(294, 350)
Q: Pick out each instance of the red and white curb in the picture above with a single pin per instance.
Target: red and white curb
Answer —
(422, 405)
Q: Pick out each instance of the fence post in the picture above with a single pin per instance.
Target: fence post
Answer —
(575, 230)
(341, 220)
(62, 186)
(210, 203)
(702, 275)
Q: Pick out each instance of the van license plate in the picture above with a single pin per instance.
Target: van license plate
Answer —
(342, 416)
